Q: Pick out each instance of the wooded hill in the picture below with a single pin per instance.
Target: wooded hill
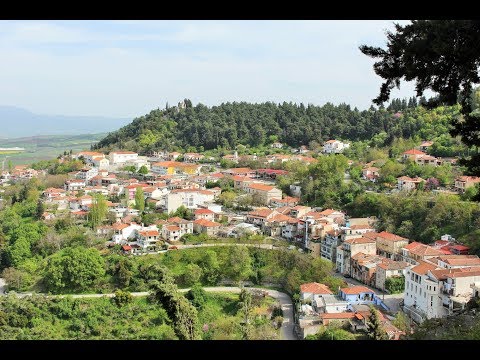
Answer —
(229, 124)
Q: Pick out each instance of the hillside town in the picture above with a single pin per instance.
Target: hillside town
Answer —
(423, 281)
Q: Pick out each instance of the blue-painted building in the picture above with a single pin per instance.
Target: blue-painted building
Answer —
(357, 295)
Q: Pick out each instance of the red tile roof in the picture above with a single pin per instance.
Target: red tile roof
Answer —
(206, 223)
(391, 237)
(423, 267)
(149, 233)
(261, 187)
(261, 213)
(203, 212)
(355, 290)
(315, 288)
(172, 228)
(414, 152)
(361, 240)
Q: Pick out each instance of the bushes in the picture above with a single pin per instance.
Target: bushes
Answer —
(395, 284)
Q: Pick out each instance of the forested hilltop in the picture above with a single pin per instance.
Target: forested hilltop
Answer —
(198, 128)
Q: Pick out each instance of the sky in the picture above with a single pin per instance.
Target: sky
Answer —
(127, 68)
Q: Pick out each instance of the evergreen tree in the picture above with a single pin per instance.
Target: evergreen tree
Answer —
(139, 199)
(98, 211)
(40, 209)
(375, 327)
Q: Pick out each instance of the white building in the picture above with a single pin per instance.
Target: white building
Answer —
(121, 157)
(334, 147)
(124, 232)
(100, 162)
(74, 185)
(433, 292)
(87, 173)
(190, 198)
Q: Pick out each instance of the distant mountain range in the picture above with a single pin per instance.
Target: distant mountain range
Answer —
(17, 122)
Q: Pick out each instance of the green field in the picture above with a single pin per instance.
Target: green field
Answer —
(45, 147)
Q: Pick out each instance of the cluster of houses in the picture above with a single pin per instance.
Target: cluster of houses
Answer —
(168, 185)
(19, 172)
(349, 307)
(420, 157)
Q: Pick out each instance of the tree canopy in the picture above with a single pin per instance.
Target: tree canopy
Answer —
(439, 55)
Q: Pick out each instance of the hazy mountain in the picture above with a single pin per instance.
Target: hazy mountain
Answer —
(18, 122)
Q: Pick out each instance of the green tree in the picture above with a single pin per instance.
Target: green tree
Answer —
(98, 211)
(239, 263)
(122, 298)
(423, 51)
(332, 334)
(375, 327)
(182, 313)
(139, 199)
(40, 209)
(143, 170)
(246, 307)
(73, 269)
(197, 296)
(227, 198)
(193, 273)
(402, 322)
(210, 266)
(130, 168)
(18, 280)
(395, 285)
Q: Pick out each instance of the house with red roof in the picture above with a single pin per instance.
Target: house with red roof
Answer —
(171, 233)
(286, 201)
(415, 251)
(202, 226)
(389, 268)
(412, 154)
(432, 291)
(407, 183)
(206, 214)
(357, 295)
(311, 291)
(371, 173)
(149, 238)
(349, 248)
(462, 183)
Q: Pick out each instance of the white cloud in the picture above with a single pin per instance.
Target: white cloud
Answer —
(211, 62)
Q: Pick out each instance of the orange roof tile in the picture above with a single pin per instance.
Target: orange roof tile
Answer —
(203, 212)
(261, 187)
(172, 228)
(414, 152)
(391, 237)
(206, 223)
(315, 288)
(423, 267)
(149, 233)
(355, 290)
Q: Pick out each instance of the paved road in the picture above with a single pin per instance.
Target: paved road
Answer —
(262, 246)
(286, 331)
